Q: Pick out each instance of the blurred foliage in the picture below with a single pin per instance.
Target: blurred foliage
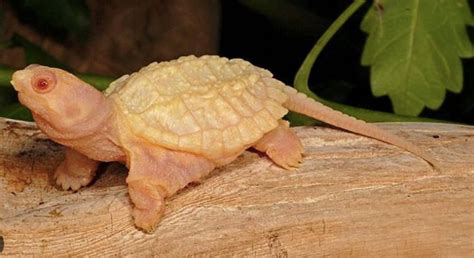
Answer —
(17, 111)
(275, 34)
(289, 15)
(58, 18)
(337, 75)
(61, 19)
(35, 55)
(302, 79)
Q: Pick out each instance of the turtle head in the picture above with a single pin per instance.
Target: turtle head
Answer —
(57, 98)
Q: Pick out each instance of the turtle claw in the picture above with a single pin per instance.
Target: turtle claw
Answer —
(75, 171)
(67, 180)
(149, 204)
(287, 157)
(282, 146)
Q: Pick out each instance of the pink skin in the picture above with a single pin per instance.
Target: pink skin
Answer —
(74, 114)
(78, 116)
(282, 146)
(158, 173)
(69, 111)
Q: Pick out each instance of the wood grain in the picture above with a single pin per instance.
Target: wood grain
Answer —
(353, 196)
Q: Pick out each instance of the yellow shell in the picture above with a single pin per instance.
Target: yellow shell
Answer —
(211, 106)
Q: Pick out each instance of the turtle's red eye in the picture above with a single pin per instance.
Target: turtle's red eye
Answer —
(43, 82)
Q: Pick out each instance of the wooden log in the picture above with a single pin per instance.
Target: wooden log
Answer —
(352, 196)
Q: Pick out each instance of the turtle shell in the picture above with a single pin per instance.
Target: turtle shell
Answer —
(208, 105)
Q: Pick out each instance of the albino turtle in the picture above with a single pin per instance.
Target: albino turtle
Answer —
(172, 123)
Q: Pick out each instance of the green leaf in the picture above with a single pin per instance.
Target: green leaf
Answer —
(413, 49)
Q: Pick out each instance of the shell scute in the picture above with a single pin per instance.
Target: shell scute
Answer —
(253, 102)
(232, 139)
(227, 114)
(248, 131)
(142, 91)
(211, 106)
(275, 109)
(212, 140)
(191, 141)
(264, 121)
(241, 107)
(211, 119)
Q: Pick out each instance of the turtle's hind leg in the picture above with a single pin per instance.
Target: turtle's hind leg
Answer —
(282, 146)
(156, 173)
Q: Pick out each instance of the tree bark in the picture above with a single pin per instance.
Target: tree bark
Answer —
(352, 196)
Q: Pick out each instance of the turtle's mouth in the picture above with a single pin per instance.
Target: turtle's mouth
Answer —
(23, 99)
(14, 86)
(30, 103)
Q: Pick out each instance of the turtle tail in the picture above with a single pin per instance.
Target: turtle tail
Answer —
(300, 103)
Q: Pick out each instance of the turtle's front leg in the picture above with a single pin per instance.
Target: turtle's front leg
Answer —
(156, 173)
(75, 171)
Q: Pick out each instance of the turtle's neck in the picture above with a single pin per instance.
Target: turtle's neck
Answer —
(94, 136)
